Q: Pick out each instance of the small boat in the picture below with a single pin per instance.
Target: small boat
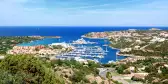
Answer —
(100, 56)
(105, 45)
(117, 53)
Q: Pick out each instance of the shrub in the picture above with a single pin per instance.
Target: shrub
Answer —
(27, 69)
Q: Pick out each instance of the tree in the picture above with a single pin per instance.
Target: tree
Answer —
(27, 69)
(109, 76)
(37, 49)
(78, 77)
(163, 54)
(121, 68)
(57, 46)
(164, 70)
(150, 68)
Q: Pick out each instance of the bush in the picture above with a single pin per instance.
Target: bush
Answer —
(120, 69)
(127, 72)
(78, 77)
(136, 79)
(27, 69)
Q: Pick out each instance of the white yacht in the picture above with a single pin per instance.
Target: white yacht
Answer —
(82, 41)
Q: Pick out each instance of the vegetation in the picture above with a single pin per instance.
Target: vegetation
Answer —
(91, 67)
(7, 43)
(155, 49)
(80, 70)
(146, 41)
(109, 65)
(120, 69)
(57, 46)
(22, 69)
(26, 69)
(157, 73)
(108, 75)
(121, 43)
(157, 69)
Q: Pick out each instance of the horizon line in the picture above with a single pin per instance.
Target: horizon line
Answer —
(82, 26)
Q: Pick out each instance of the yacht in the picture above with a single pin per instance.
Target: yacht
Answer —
(82, 41)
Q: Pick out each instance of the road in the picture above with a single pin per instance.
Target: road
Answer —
(118, 78)
(103, 71)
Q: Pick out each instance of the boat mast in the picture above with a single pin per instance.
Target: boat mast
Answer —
(106, 44)
(106, 49)
(116, 57)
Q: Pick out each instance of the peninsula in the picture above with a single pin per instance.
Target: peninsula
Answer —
(134, 42)
(146, 52)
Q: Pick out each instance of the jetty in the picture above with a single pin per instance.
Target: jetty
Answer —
(85, 51)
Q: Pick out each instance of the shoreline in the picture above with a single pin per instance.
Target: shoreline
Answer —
(114, 48)
(117, 53)
(118, 50)
(92, 38)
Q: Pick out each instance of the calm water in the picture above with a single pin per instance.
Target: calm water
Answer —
(68, 34)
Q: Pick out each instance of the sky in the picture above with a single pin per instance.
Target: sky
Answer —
(83, 12)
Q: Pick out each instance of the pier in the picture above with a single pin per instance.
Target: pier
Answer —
(85, 51)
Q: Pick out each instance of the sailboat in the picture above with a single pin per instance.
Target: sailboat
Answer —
(106, 47)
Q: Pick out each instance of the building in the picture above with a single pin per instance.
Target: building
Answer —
(65, 45)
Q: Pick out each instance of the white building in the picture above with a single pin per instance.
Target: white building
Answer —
(132, 68)
(157, 39)
(126, 50)
(136, 47)
(65, 45)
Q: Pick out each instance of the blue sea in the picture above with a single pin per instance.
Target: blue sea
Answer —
(68, 34)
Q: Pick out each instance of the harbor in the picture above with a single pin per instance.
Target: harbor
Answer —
(82, 49)
(89, 49)
(107, 55)
(84, 52)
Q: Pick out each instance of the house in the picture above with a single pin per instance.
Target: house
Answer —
(164, 34)
(132, 68)
(126, 50)
(166, 65)
(138, 41)
(157, 39)
(136, 47)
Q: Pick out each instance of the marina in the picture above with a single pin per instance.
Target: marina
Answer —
(84, 52)
(86, 49)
